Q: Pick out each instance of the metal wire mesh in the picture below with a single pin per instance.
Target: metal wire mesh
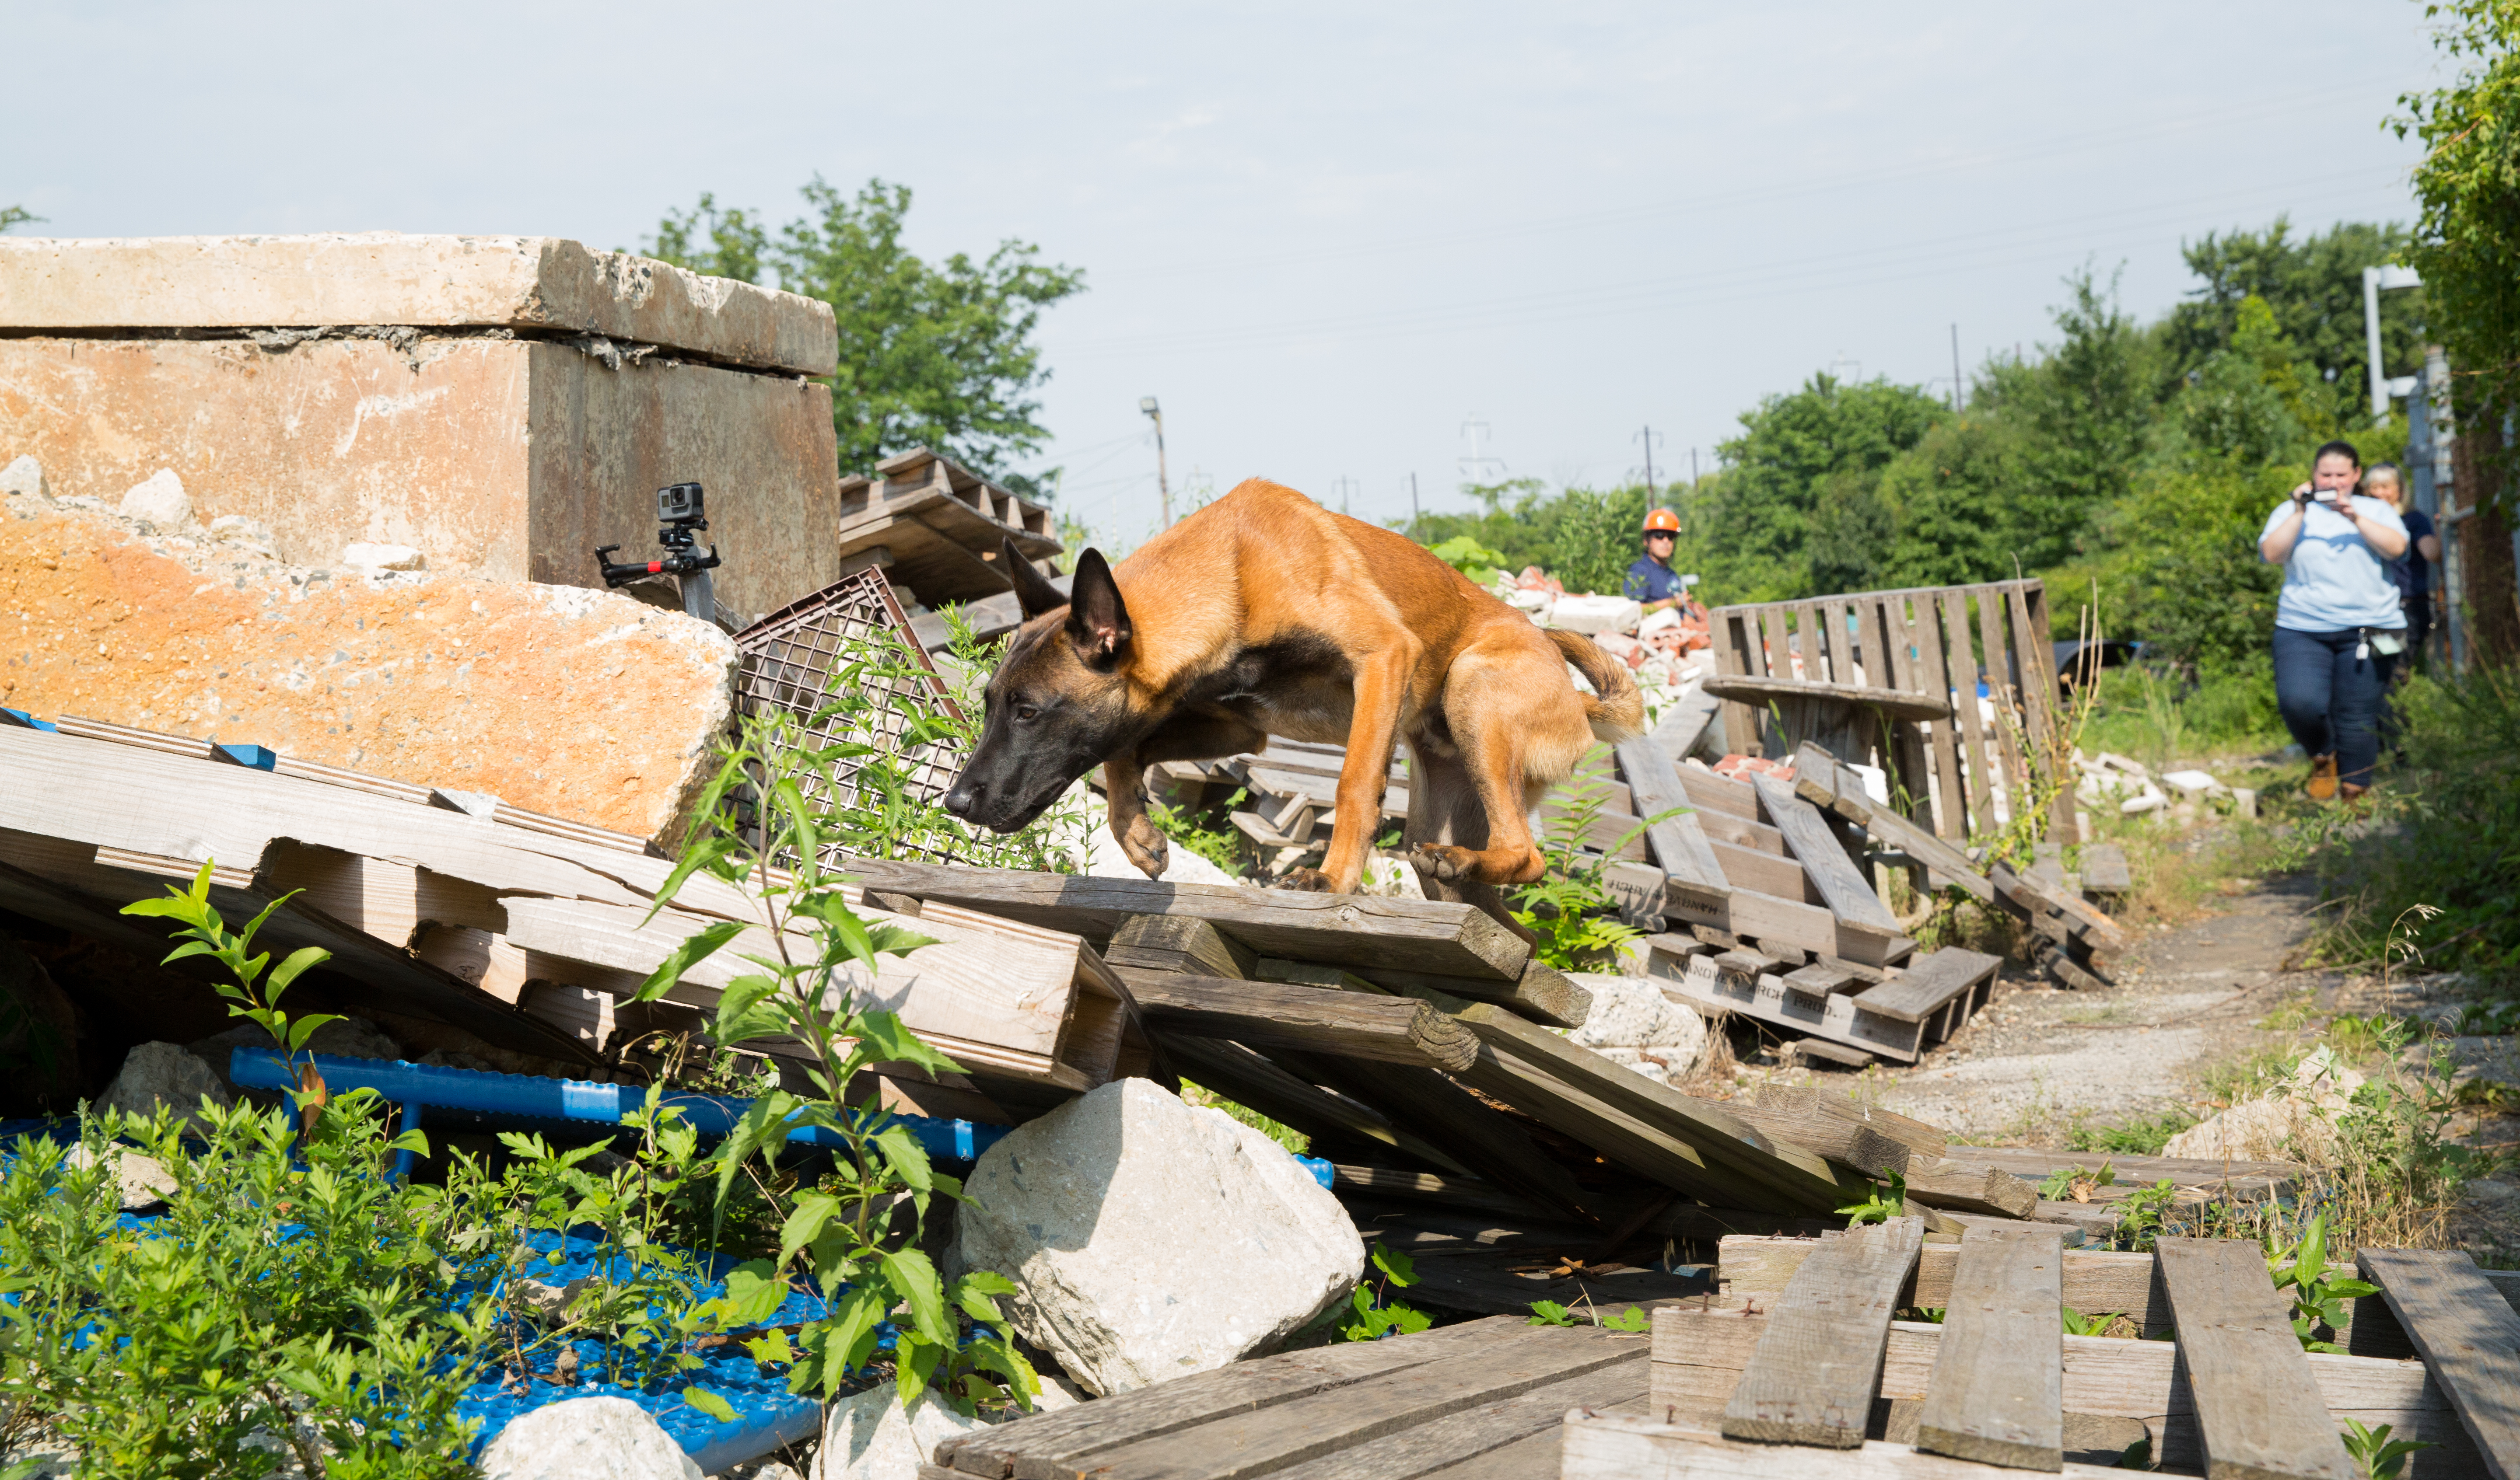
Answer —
(788, 660)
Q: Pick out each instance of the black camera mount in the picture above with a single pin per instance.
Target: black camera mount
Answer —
(682, 513)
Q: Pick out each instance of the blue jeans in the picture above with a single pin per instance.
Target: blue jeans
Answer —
(2330, 700)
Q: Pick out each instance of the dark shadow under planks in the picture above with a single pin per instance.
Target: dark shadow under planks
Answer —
(2469, 1339)
(1268, 1015)
(1819, 1363)
(1998, 1392)
(2258, 1404)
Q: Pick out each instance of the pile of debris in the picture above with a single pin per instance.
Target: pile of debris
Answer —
(2131, 786)
(1668, 652)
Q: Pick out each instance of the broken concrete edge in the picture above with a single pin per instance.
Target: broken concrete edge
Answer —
(389, 277)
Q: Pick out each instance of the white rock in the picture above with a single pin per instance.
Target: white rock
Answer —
(23, 475)
(161, 1073)
(2124, 766)
(868, 1437)
(1152, 1239)
(1181, 866)
(1630, 1012)
(160, 500)
(2149, 800)
(587, 1439)
(1639, 1060)
(1056, 1393)
(360, 555)
(2192, 783)
(145, 1181)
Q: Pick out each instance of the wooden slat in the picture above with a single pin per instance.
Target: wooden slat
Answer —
(1179, 943)
(1820, 779)
(2257, 1403)
(2469, 1339)
(1478, 1136)
(1929, 982)
(1711, 792)
(1268, 1014)
(1734, 639)
(1998, 1392)
(2036, 651)
(1950, 800)
(1962, 668)
(1806, 1101)
(1896, 703)
(1618, 1446)
(1338, 1126)
(1545, 995)
(1808, 839)
(1414, 935)
(2005, 686)
(2095, 1282)
(1675, 841)
(1964, 1188)
(2105, 871)
(1762, 873)
(1812, 1380)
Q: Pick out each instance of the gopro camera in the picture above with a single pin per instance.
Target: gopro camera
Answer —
(682, 515)
(681, 503)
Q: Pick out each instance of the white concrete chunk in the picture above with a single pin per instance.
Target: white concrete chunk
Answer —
(23, 475)
(867, 1436)
(1152, 1239)
(158, 500)
(587, 1439)
(157, 1074)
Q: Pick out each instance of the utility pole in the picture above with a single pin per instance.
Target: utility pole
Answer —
(1646, 436)
(1163, 484)
(1412, 501)
(1693, 469)
(1346, 487)
(1956, 402)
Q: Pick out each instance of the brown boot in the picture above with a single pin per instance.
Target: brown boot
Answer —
(2352, 793)
(2322, 778)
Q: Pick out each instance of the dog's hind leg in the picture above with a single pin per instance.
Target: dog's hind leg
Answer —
(1504, 717)
(1443, 811)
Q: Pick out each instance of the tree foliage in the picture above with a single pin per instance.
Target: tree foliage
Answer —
(939, 354)
(2468, 185)
(16, 216)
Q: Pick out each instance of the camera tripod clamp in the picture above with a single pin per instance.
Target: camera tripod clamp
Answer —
(682, 514)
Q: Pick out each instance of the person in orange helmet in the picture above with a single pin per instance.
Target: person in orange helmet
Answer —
(1651, 580)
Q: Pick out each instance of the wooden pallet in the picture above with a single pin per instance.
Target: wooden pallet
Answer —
(1991, 1385)
(1898, 1019)
(936, 528)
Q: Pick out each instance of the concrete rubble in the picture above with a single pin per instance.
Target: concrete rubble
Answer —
(161, 1076)
(1152, 1239)
(586, 1438)
(869, 1436)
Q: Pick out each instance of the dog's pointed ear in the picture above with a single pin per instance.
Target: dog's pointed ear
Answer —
(1098, 620)
(1034, 594)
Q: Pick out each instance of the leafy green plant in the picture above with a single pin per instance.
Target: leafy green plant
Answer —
(814, 954)
(251, 994)
(2318, 1293)
(2143, 1214)
(2079, 1324)
(1377, 1314)
(2489, 1020)
(1295, 1141)
(2141, 1135)
(2380, 1456)
(1881, 1205)
(1566, 907)
(2060, 1184)
(1549, 1313)
(1207, 831)
(2138, 1456)
(1471, 559)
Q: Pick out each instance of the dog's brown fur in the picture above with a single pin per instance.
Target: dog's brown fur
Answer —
(1265, 614)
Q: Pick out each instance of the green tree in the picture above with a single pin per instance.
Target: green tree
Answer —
(2314, 288)
(1787, 463)
(1594, 538)
(16, 216)
(1951, 497)
(938, 354)
(2467, 242)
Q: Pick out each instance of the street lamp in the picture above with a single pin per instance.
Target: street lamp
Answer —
(1163, 484)
(2376, 280)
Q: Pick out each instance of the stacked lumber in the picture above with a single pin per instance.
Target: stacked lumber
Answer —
(527, 933)
(1799, 1354)
(936, 528)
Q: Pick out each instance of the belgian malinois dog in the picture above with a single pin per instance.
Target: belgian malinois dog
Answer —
(1265, 614)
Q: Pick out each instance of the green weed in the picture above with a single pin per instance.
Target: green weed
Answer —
(1376, 1313)
(2380, 1456)
(1881, 1204)
(2318, 1293)
(1295, 1141)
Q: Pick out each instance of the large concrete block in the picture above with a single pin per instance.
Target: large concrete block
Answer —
(507, 459)
(535, 284)
(583, 704)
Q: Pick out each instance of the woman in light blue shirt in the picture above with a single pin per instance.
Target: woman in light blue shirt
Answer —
(2338, 625)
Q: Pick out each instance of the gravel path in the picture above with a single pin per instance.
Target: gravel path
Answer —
(2038, 1057)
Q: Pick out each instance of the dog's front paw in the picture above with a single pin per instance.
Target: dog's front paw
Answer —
(1145, 846)
(1310, 880)
(1438, 861)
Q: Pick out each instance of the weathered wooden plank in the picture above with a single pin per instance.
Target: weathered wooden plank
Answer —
(1481, 1430)
(2028, 898)
(2094, 1281)
(1460, 1193)
(1268, 1015)
(1654, 783)
(1897, 703)
(1817, 779)
(1179, 943)
(1746, 869)
(1620, 1137)
(1351, 929)
(1476, 1135)
(1765, 998)
(1065, 1441)
(1545, 995)
(1710, 792)
(1962, 671)
(1805, 1101)
(1922, 990)
(1614, 1447)
(2469, 1338)
(1761, 916)
(1698, 1356)
(1967, 1189)
(1998, 1392)
(2105, 871)
(1808, 839)
(1233, 1446)
(2257, 1403)
(1816, 1367)
(1504, 1282)
(1340, 1125)
(1950, 801)
(2247, 1178)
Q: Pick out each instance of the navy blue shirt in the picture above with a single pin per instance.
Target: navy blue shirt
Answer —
(1650, 580)
(2413, 572)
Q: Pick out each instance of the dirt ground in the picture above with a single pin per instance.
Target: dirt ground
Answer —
(2040, 1058)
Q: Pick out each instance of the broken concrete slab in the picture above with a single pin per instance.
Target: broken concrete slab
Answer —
(586, 1438)
(383, 278)
(498, 458)
(869, 1436)
(1152, 1239)
(579, 704)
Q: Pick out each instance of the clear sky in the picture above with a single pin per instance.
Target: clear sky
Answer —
(1327, 236)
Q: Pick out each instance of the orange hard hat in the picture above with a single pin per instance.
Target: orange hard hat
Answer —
(1662, 519)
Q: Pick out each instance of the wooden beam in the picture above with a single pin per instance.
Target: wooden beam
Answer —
(1545, 995)
(1609, 1445)
(1337, 1125)
(1927, 985)
(1819, 780)
(1816, 1367)
(1808, 839)
(1998, 1392)
(1268, 1014)
(2258, 1403)
(2469, 1337)
(1353, 930)
(1179, 943)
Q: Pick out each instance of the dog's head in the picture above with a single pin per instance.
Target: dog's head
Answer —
(1058, 704)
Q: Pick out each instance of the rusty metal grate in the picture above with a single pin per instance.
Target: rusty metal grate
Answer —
(788, 660)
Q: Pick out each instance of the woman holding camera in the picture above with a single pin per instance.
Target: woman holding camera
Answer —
(2338, 626)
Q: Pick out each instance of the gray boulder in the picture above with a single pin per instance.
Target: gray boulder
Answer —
(866, 1436)
(1152, 1239)
(156, 1074)
(587, 1439)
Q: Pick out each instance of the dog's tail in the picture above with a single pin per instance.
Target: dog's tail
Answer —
(1617, 713)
